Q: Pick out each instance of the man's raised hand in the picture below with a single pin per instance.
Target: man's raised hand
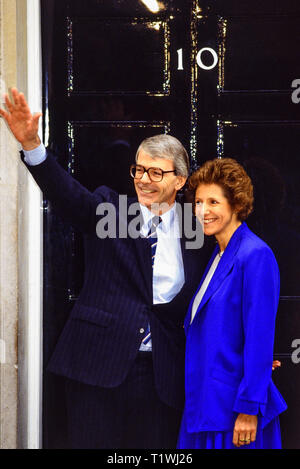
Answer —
(21, 122)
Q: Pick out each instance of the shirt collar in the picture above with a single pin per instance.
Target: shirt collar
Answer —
(167, 218)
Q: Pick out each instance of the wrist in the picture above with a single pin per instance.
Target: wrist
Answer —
(31, 144)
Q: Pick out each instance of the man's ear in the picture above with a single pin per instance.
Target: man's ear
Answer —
(181, 180)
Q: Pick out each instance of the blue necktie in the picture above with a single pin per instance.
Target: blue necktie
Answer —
(152, 238)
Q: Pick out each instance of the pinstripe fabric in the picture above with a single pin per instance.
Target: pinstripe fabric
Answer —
(101, 338)
(135, 425)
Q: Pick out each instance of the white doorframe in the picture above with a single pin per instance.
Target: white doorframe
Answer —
(30, 249)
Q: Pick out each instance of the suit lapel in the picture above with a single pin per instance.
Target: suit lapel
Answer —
(184, 252)
(143, 251)
(188, 254)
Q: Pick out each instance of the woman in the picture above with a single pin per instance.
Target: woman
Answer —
(231, 400)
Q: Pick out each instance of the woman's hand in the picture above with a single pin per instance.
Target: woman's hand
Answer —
(244, 431)
(21, 122)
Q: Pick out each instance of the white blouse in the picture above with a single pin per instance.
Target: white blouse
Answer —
(205, 284)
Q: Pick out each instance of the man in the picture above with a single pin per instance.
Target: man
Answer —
(122, 349)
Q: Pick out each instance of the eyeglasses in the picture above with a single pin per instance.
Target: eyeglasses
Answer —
(155, 174)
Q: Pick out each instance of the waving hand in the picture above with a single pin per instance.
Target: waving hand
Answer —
(21, 122)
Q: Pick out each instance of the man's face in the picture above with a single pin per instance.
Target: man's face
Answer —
(163, 192)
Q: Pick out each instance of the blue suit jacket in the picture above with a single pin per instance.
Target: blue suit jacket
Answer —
(101, 338)
(229, 350)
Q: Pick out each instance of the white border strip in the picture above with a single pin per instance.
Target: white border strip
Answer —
(35, 252)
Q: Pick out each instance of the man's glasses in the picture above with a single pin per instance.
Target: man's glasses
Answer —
(155, 174)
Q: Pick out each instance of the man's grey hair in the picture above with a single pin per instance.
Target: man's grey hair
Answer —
(169, 148)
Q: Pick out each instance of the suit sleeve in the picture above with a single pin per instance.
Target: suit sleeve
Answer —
(71, 200)
(260, 298)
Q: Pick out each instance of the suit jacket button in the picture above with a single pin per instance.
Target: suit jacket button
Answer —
(142, 331)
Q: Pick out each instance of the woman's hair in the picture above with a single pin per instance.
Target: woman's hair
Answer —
(232, 178)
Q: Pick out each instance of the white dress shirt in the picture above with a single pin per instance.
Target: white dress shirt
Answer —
(168, 271)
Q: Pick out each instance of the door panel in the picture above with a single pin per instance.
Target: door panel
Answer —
(114, 66)
(261, 62)
(115, 73)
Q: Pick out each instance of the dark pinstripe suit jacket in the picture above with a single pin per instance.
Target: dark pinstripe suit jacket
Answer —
(101, 338)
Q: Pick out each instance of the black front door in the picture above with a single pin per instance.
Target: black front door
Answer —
(218, 76)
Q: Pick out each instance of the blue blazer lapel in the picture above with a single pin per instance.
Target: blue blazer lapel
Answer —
(224, 267)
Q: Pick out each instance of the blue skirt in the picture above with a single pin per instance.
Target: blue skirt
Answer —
(267, 438)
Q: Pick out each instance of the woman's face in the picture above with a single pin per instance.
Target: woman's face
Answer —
(214, 211)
